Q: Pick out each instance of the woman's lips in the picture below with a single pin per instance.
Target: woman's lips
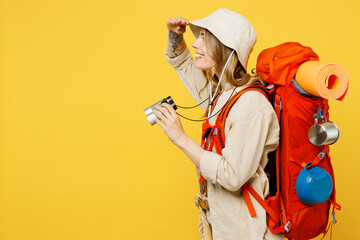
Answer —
(198, 56)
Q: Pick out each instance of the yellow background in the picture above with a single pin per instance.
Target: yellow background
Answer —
(79, 159)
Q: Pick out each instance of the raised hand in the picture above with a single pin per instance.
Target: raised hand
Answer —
(176, 42)
(177, 24)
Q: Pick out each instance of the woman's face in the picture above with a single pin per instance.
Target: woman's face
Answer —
(202, 59)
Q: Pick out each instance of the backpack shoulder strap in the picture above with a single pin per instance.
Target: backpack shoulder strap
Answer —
(220, 121)
(223, 114)
(246, 188)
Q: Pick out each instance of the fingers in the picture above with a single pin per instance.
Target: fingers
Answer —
(166, 114)
(177, 21)
(180, 21)
(159, 115)
(164, 111)
(170, 109)
(160, 123)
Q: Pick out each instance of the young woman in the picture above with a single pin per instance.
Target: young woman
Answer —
(224, 41)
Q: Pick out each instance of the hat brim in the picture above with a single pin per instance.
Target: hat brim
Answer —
(195, 28)
(197, 25)
(231, 29)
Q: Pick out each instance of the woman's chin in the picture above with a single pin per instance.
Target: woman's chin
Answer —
(200, 66)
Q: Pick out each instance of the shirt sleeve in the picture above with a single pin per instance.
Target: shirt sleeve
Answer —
(191, 77)
(246, 143)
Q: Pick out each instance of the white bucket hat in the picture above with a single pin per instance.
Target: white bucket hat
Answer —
(232, 29)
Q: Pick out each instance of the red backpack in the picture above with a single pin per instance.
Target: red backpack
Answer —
(295, 110)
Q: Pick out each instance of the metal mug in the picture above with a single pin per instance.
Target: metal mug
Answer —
(325, 133)
(149, 111)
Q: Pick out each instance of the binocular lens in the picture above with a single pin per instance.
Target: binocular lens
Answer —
(149, 111)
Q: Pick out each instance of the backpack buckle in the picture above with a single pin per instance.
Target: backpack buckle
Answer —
(276, 104)
(288, 227)
(321, 154)
(334, 218)
(271, 86)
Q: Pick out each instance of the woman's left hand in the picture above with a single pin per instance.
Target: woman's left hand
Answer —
(170, 123)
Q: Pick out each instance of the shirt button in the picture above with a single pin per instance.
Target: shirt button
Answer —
(213, 213)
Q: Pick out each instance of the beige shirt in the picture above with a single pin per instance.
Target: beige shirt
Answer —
(251, 131)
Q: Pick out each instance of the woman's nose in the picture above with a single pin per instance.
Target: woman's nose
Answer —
(195, 44)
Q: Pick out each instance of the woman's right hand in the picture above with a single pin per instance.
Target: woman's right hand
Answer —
(177, 24)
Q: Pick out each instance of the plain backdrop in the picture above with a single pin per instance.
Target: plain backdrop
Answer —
(78, 159)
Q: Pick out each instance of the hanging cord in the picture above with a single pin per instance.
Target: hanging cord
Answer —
(201, 120)
(193, 106)
(212, 97)
(334, 221)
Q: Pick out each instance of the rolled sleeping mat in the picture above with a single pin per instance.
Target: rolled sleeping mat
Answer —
(326, 80)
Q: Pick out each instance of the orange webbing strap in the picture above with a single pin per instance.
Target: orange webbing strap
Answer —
(278, 110)
(224, 112)
(327, 230)
(335, 205)
(275, 217)
(246, 188)
(283, 212)
(220, 121)
(248, 202)
(261, 201)
(286, 224)
(278, 106)
(334, 221)
(205, 125)
(319, 157)
(298, 162)
(222, 116)
(314, 162)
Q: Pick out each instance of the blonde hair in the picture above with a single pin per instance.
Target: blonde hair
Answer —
(235, 74)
